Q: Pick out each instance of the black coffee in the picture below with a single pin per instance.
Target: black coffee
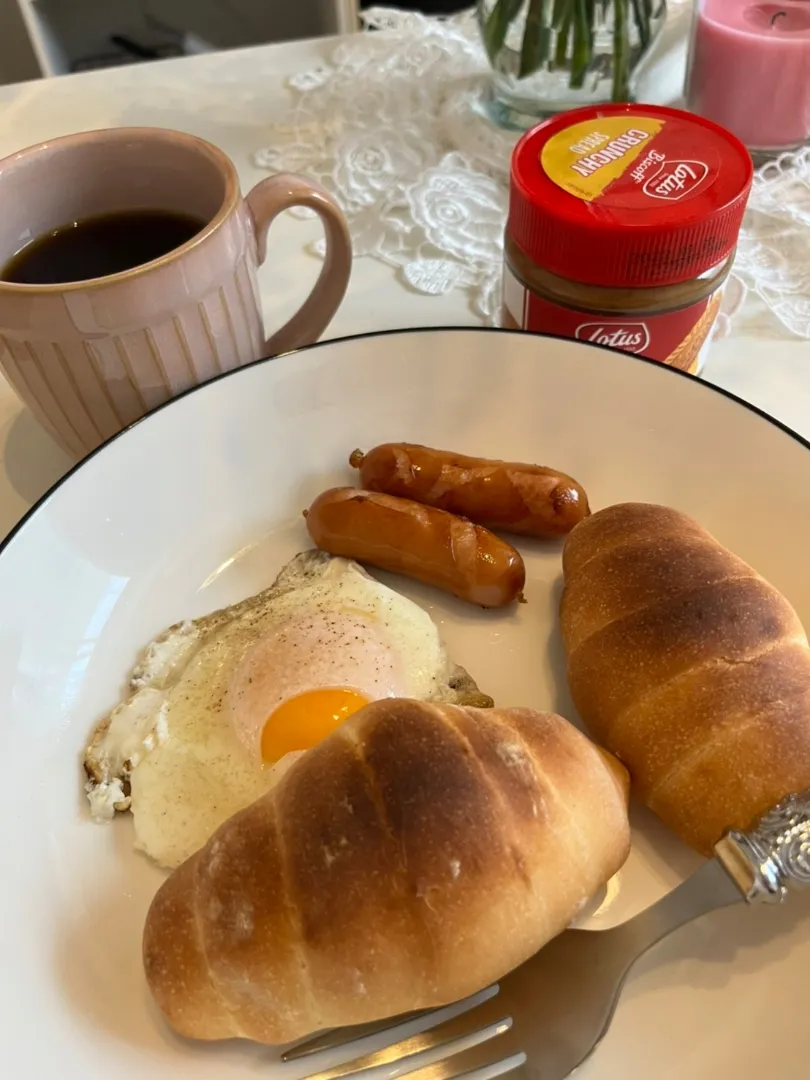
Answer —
(97, 246)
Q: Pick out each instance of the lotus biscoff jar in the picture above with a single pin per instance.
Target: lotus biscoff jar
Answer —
(623, 222)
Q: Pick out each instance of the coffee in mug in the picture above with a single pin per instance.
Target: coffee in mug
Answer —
(99, 246)
(128, 263)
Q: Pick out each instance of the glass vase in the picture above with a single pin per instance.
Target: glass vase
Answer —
(549, 56)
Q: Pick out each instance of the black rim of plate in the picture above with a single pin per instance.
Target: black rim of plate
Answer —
(201, 387)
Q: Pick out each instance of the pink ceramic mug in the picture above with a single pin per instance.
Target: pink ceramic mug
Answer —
(89, 357)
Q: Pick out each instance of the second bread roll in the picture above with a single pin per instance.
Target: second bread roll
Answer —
(687, 665)
(412, 858)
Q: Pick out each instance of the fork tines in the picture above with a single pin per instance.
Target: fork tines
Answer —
(481, 1022)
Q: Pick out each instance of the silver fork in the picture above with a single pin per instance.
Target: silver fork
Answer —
(546, 1017)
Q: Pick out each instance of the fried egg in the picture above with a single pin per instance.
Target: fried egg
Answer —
(219, 706)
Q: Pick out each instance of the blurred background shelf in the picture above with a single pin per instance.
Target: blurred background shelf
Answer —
(45, 38)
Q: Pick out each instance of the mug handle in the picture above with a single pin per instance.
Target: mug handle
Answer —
(265, 202)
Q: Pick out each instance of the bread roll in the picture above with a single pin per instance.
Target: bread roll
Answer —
(688, 666)
(413, 857)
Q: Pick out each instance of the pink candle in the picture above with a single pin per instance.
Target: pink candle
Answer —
(749, 70)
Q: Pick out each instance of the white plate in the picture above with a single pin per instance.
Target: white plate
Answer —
(199, 505)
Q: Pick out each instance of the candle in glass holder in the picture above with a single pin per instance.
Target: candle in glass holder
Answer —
(749, 70)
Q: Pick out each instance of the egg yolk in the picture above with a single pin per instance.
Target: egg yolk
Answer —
(305, 720)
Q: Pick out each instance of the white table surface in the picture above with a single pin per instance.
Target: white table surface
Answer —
(231, 99)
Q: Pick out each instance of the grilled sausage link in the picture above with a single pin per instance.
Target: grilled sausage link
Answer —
(528, 499)
(418, 541)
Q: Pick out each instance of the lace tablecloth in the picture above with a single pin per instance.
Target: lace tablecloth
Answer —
(394, 126)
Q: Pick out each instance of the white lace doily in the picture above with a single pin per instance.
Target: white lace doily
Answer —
(394, 127)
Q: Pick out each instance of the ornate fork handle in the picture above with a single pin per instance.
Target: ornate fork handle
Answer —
(774, 856)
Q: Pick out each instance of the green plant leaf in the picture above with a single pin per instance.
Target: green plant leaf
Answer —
(536, 45)
(558, 13)
(582, 48)
(563, 34)
(642, 15)
(621, 52)
(497, 25)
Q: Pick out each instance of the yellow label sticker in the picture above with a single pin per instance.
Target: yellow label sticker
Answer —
(584, 158)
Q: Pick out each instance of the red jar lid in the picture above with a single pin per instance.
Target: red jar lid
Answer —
(628, 195)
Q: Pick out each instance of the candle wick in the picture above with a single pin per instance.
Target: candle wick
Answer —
(778, 15)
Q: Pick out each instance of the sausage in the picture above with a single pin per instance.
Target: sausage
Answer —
(419, 541)
(528, 499)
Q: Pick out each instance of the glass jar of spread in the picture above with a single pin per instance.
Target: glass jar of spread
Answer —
(623, 222)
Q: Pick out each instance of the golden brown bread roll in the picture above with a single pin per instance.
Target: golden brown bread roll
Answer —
(413, 857)
(688, 666)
